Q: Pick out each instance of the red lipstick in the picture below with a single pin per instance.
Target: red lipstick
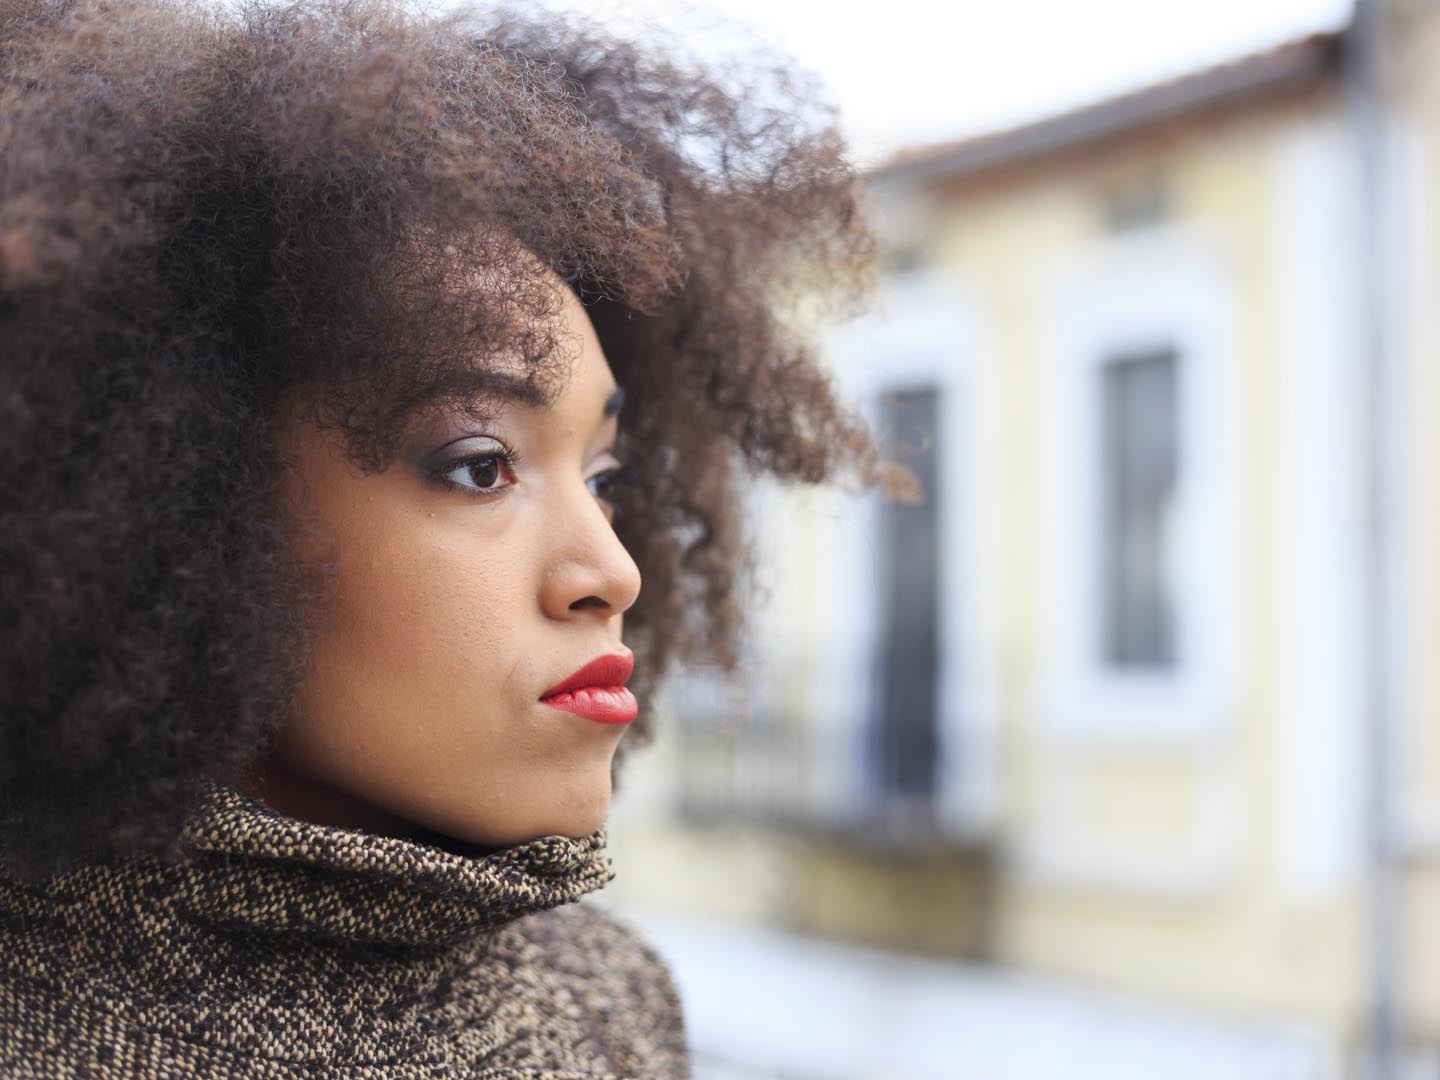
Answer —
(597, 691)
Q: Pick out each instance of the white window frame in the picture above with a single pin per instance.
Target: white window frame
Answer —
(926, 333)
(1161, 289)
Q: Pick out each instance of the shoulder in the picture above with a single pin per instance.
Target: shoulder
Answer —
(619, 980)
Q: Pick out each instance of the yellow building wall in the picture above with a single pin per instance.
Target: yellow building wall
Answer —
(1243, 946)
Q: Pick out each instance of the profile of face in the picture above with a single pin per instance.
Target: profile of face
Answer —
(475, 574)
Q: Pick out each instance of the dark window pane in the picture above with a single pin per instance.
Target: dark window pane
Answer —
(1140, 470)
(905, 721)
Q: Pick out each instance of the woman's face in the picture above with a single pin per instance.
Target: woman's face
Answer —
(464, 587)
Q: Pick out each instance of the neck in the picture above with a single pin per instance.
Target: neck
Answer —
(300, 797)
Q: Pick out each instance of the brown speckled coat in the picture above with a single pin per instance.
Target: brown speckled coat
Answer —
(283, 949)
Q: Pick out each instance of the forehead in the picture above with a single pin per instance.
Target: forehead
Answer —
(589, 384)
(576, 374)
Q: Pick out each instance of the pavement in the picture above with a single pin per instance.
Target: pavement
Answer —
(764, 1004)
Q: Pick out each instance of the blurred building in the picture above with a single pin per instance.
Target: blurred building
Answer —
(1140, 699)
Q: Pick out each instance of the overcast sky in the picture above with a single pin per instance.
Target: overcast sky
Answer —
(915, 71)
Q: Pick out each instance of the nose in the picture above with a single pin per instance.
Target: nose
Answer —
(588, 569)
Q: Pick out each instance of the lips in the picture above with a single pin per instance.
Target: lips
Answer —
(597, 691)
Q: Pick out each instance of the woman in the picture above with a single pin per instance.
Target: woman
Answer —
(356, 366)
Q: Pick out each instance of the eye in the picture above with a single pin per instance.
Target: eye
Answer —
(607, 484)
(482, 473)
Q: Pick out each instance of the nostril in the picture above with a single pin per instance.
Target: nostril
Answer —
(588, 601)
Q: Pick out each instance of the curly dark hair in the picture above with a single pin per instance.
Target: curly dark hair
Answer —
(206, 209)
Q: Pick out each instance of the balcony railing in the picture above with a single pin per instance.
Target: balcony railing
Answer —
(764, 766)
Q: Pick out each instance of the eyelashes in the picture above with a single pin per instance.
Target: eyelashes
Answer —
(481, 470)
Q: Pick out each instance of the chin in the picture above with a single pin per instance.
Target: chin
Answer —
(558, 811)
(578, 816)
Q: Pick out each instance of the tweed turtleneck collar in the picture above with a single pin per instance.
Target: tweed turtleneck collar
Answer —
(283, 949)
(253, 868)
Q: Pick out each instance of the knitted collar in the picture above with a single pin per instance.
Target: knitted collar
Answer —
(253, 868)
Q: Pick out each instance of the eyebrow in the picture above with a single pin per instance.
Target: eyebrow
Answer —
(614, 401)
(494, 387)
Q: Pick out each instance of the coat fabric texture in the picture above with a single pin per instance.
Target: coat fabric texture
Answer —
(281, 949)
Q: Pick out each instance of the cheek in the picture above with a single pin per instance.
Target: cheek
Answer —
(421, 629)
(436, 600)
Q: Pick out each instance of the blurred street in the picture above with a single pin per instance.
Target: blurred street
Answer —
(816, 1010)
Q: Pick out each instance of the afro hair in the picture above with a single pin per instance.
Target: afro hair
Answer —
(206, 209)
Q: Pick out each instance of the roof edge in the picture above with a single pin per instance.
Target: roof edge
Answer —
(1290, 66)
